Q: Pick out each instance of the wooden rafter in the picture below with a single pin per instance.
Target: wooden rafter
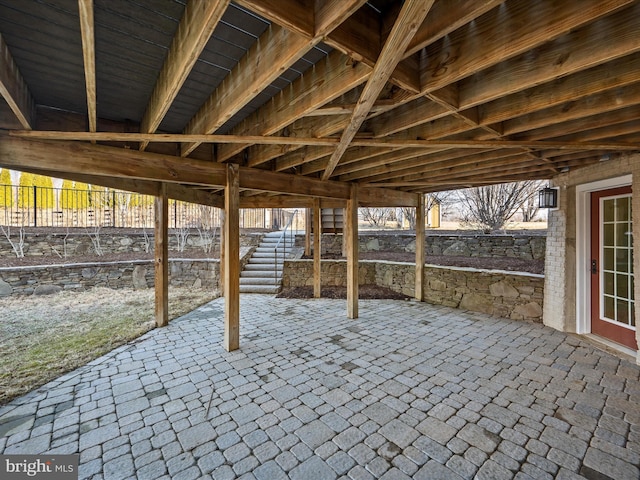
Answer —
(485, 89)
(330, 79)
(276, 50)
(578, 50)
(504, 33)
(87, 29)
(271, 55)
(409, 19)
(194, 30)
(445, 17)
(13, 88)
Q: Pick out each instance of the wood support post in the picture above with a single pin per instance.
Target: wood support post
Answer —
(232, 259)
(351, 243)
(223, 234)
(317, 249)
(420, 248)
(161, 227)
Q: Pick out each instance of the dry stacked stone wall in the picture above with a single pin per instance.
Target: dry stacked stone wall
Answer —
(40, 280)
(79, 243)
(504, 294)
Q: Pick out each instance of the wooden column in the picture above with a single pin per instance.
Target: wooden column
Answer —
(420, 248)
(317, 248)
(351, 244)
(308, 230)
(232, 259)
(161, 227)
(222, 255)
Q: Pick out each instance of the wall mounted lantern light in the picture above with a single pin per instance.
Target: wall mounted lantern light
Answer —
(548, 197)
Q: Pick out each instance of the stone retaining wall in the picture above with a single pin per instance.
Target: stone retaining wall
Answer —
(527, 247)
(79, 243)
(139, 274)
(512, 295)
(46, 279)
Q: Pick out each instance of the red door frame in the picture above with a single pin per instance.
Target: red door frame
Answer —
(618, 334)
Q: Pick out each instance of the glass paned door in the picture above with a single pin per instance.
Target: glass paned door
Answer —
(612, 296)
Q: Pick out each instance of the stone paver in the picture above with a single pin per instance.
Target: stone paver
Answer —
(408, 390)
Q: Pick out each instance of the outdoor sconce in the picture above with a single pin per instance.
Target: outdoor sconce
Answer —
(548, 197)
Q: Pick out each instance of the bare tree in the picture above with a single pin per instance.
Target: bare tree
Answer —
(530, 208)
(18, 244)
(376, 217)
(493, 206)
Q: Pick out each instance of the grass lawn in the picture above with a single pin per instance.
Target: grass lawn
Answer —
(44, 337)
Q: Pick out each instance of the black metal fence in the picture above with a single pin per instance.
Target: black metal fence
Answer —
(100, 207)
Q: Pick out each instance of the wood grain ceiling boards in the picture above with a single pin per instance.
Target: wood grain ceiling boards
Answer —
(311, 96)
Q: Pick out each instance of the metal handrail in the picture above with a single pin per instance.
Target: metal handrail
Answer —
(283, 235)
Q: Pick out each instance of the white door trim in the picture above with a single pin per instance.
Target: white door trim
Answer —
(583, 247)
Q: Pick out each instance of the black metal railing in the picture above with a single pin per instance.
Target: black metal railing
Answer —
(33, 206)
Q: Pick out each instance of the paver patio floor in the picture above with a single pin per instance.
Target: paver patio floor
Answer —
(408, 390)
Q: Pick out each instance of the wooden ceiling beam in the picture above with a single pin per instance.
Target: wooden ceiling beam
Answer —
(330, 14)
(592, 45)
(268, 58)
(597, 104)
(445, 17)
(478, 168)
(559, 58)
(503, 33)
(14, 89)
(317, 127)
(611, 132)
(409, 19)
(617, 73)
(418, 112)
(358, 142)
(198, 22)
(431, 163)
(580, 124)
(98, 160)
(294, 15)
(87, 29)
(329, 79)
(302, 156)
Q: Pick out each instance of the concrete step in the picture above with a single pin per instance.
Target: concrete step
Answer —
(258, 260)
(259, 281)
(259, 289)
(267, 254)
(260, 273)
(262, 267)
(263, 249)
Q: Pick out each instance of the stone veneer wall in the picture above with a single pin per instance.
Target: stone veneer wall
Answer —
(528, 247)
(504, 294)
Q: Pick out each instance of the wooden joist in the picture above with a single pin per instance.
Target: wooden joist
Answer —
(196, 26)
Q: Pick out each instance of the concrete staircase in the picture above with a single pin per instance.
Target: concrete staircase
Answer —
(262, 274)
